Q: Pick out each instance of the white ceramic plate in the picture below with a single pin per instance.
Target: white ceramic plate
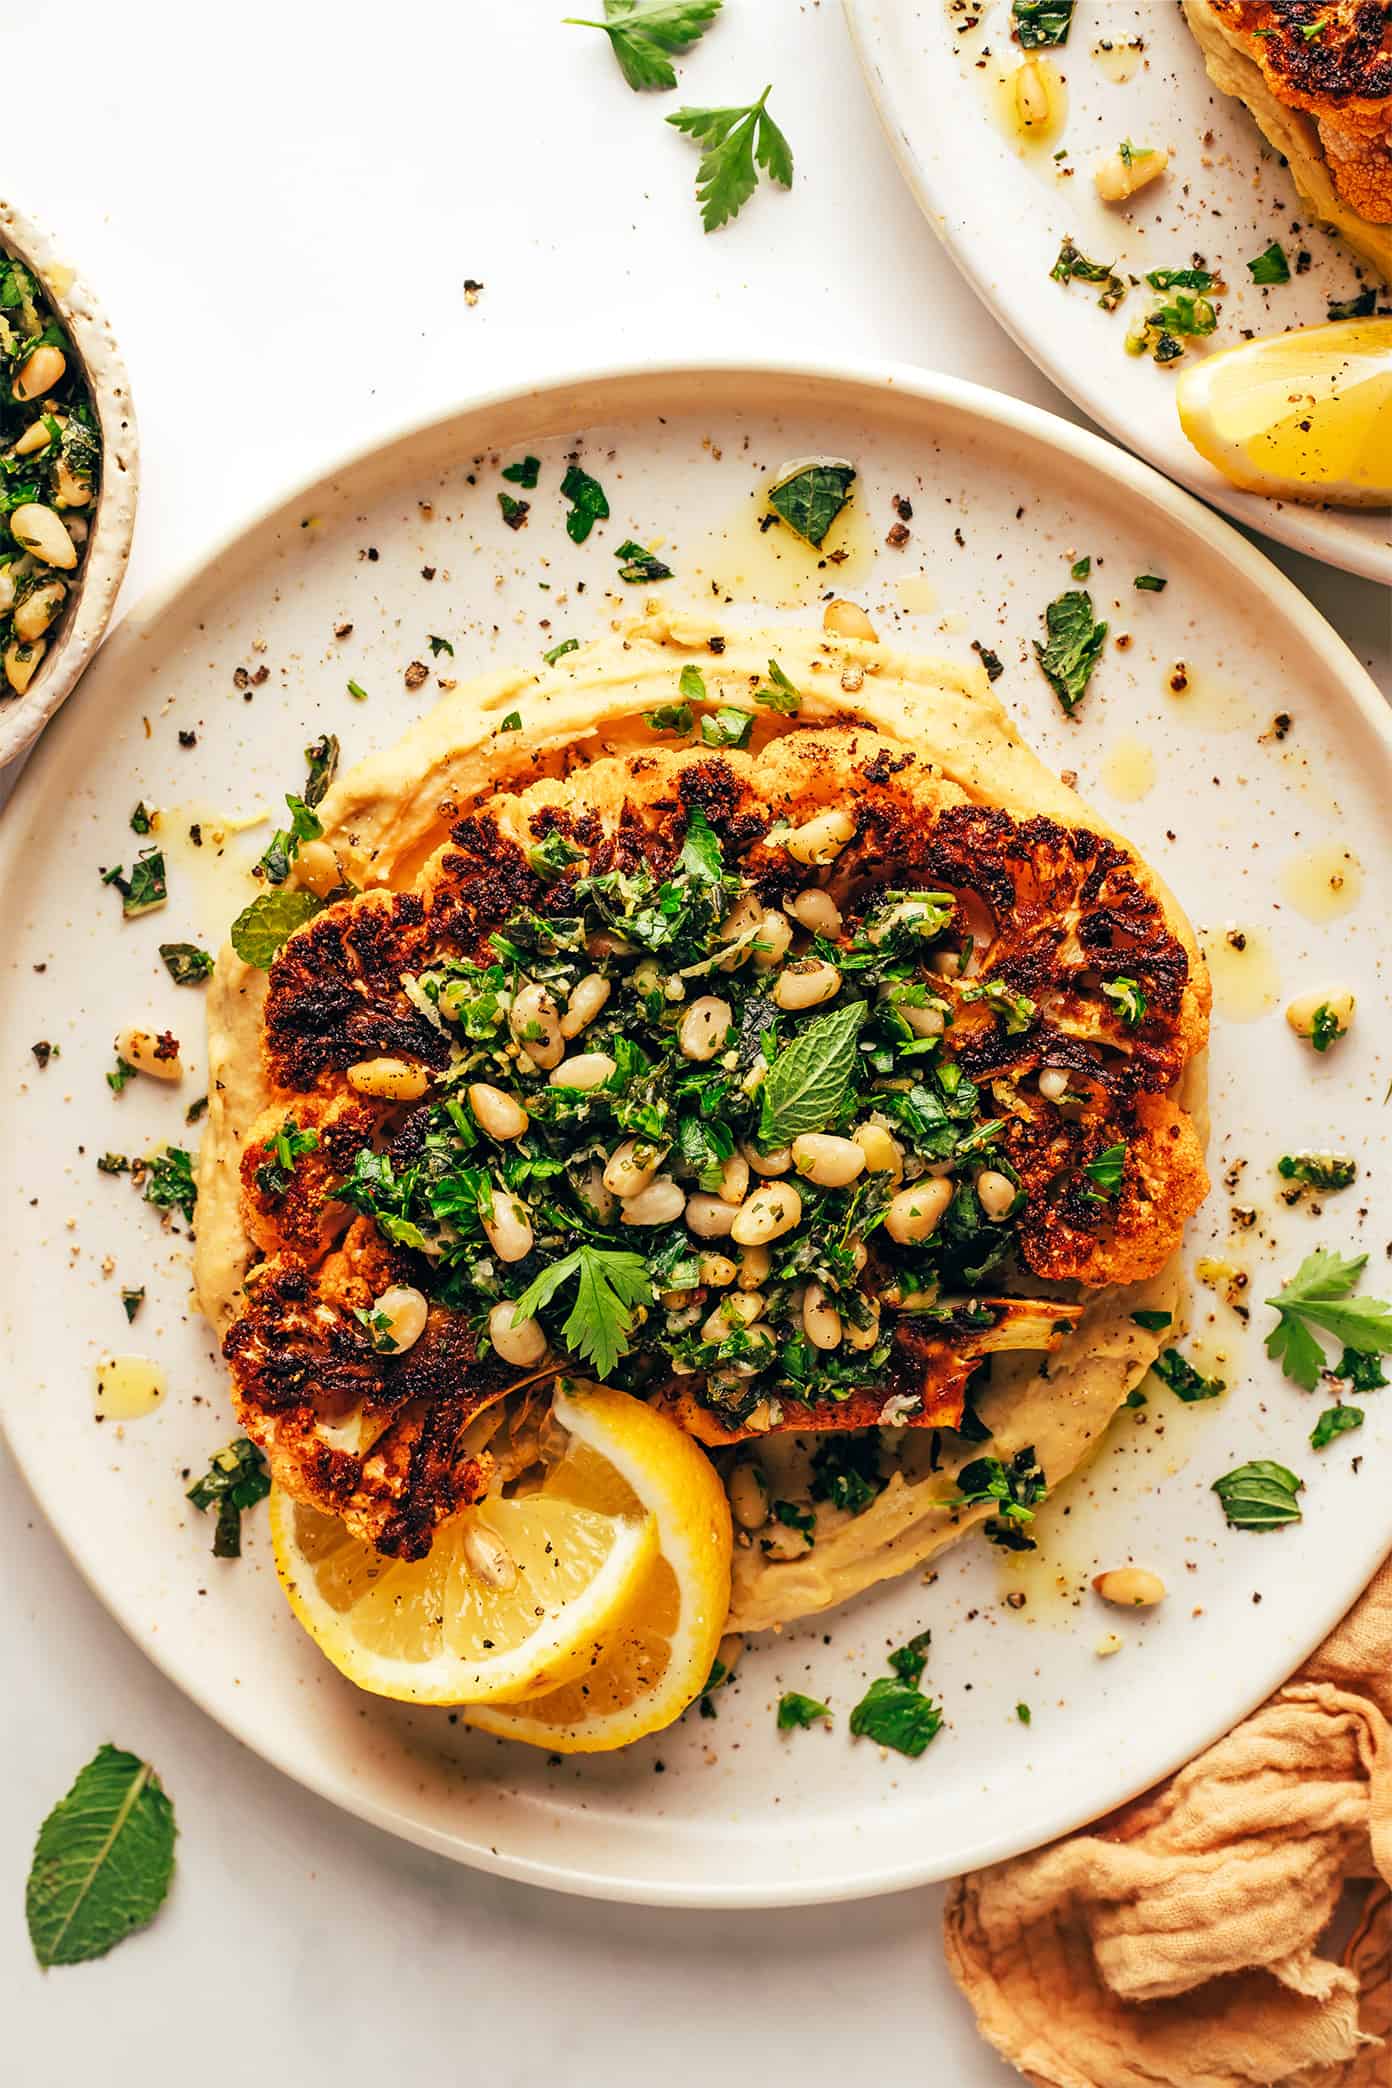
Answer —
(723, 1811)
(1002, 209)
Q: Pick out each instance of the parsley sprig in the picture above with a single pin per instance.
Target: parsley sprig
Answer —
(611, 1286)
(1320, 1295)
(737, 143)
(643, 34)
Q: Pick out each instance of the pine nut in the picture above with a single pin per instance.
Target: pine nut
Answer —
(157, 1056)
(1033, 101)
(821, 840)
(316, 867)
(775, 1163)
(847, 620)
(1302, 1012)
(704, 1027)
(70, 490)
(1053, 1084)
(775, 934)
(389, 1079)
(1130, 1586)
(883, 1153)
(41, 532)
(586, 999)
(806, 984)
(816, 911)
(588, 1069)
(734, 1180)
(716, 1271)
(749, 1497)
(829, 1162)
(915, 1213)
(497, 1112)
(1109, 1644)
(1116, 178)
(35, 438)
(488, 1558)
(773, 1209)
(632, 1165)
(521, 1343)
(864, 1337)
(995, 1193)
(22, 662)
(40, 371)
(404, 1310)
(755, 1263)
(710, 1217)
(740, 1309)
(38, 609)
(821, 1322)
(8, 590)
(508, 1227)
(536, 1024)
(662, 1201)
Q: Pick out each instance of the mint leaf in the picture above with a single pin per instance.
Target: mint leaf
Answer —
(1153, 1322)
(102, 1862)
(810, 498)
(809, 1080)
(794, 1709)
(1183, 1380)
(261, 929)
(1318, 1295)
(1334, 1421)
(1259, 1496)
(642, 32)
(738, 142)
(1271, 265)
(1073, 647)
(185, 963)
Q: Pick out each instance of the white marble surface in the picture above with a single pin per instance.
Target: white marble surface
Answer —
(280, 211)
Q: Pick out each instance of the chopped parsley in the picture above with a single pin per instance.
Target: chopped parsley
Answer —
(778, 693)
(1361, 306)
(795, 1710)
(1183, 1380)
(727, 727)
(514, 512)
(1164, 330)
(1128, 997)
(1081, 568)
(552, 857)
(1016, 1009)
(120, 1074)
(236, 1479)
(442, 645)
(1105, 1171)
(1149, 583)
(558, 652)
(1181, 279)
(169, 1183)
(357, 691)
(1073, 266)
(1326, 1028)
(1324, 1171)
(810, 498)
(670, 717)
(797, 1518)
(1362, 1368)
(131, 1302)
(274, 1175)
(588, 503)
(636, 564)
(1041, 23)
(511, 723)
(1334, 1421)
(643, 35)
(1022, 1712)
(1015, 1490)
(894, 1712)
(1271, 265)
(1073, 646)
(1154, 1322)
(145, 888)
(142, 820)
(846, 1471)
(1319, 1295)
(524, 474)
(1259, 1496)
(185, 963)
(737, 143)
(989, 660)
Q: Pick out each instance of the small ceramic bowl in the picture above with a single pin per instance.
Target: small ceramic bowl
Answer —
(79, 633)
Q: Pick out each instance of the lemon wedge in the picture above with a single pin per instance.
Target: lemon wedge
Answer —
(515, 1596)
(625, 1460)
(1300, 416)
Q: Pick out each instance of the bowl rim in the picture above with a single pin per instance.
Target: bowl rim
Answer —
(23, 718)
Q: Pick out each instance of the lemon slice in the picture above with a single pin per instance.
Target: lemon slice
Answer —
(435, 1630)
(623, 1459)
(1300, 416)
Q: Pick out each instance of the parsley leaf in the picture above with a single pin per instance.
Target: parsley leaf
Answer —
(185, 963)
(1319, 1295)
(442, 645)
(1105, 1171)
(1129, 998)
(120, 1074)
(778, 693)
(810, 498)
(1153, 1322)
(737, 143)
(794, 1709)
(1326, 1028)
(1073, 648)
(642, 32)
(523, 474)
(895, 1713)
(809, 1080)
(1334, 1421)
(636, 564)
(169, 1185)
(1181, 279)
(514, 512)
(727, 727)
(1360, 307)
(1363, 1371)
(1271, 265)
(611, 1284)
(1149, 583)
(261, 929)
(236, 1479)
(846, 1471)
(1183, 1380)
(909, 1661)
(670, 717)
(1018, 1488)
(1041, 22)
(1073, 266)
(1324, 1171)
(1259, 1496)
(131, 1300)
(103, 1861)
(558, 652)
(145, 888)
(588, 503)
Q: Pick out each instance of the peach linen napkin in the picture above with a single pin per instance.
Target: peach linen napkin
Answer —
(1175, 1943)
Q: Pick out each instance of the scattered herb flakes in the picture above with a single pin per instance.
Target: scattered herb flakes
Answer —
(738, 143)
(670, 717)
(142, 820)
(558, 652)
(1181, 279)
(1014, 1490)
(611, 1287)
(236, 1479)
(1320, 1295)
(1154, 1322)
(809, 1080)
(1326, 1028)
(169, 1183)
(727, 727)
(441, 645)
(1128, 998)
(1081, 568)
(1149, 583)
(1361, 306)
(794, 1710)
(1040, 23)
(145, 888)
(1363, 1370)
(909, 1661)
(1022, 1712)
(357, 692)
(1184, 1381)
(275, 1174)
(895, 1713)
(102, 1863)
(643, 33)
(692, 684)
(261, 929)
(196, 1110)
(185, 963)
(846, 1471)
(778, 693)
(514, 512)
(1105, 1171)
(1326, 1172)
(1259, 1496)
(121, 1073)
(131, 1302)
(553, 856)
(1271, 265)
(512, 722)
(989, 660)
(810, 498)
(113, 1164)
(1072, 648)
(525, 473)
(1334, 1421)
(637, 565)
(794, 1517)
(1164, 330)
(588, 503)
(1073, 266)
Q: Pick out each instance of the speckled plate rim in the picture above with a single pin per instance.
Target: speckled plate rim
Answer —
(1318, 532)
(23, 718)
(607, 392)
